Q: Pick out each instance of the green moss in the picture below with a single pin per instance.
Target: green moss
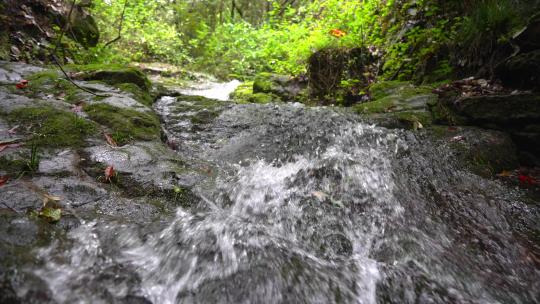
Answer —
(382, 105)
(140, 95)
(125, 125)
(244, 94)
(382, 89)
(113, 74)
(263, 83)
(412, 118)
(51, 127)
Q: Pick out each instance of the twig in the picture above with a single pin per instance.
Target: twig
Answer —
(119, 27)
(73, 82)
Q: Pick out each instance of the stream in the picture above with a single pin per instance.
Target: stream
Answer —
(306, 205)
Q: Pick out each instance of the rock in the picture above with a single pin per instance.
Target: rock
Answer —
(83, 28)
(484, 152)
(284, 87)
(521, 71)
(399, 105)
(528, 39)
(117, 75)
(499, 110)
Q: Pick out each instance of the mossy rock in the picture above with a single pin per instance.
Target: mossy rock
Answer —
(402, 89)
(51, 127)
(244, 94)
(114, 75)
(279, 87)
(125, 125)
(139, 94)
(4, 45)
(83, 28)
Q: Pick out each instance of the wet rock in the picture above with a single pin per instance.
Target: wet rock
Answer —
(17, 196)
(484, 152)
(521, 71)
(501, 110)
(73, 191)
(399, 105)
(144, 168)
(12, 72)
(528, 39)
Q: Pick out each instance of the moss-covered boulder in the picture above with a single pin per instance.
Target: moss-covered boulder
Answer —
(399, 105)
(114, 75)
(284, 87)
(244, 94)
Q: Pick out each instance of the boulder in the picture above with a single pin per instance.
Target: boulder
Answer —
(528, 39)
(83, 28)
(284, 87)
(521, 71)
(118, 75)
(501, 111)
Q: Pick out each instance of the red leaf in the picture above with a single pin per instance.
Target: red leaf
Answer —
(109, 173)
(525, 179)
(3, 180)
(22, 84)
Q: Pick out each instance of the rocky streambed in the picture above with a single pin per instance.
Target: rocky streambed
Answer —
(212, 200)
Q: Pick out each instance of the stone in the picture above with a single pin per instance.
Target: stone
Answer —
(521, 71)
(83, 28)
(283, 87)
(119, 76)
(500, 110)
(528, 39)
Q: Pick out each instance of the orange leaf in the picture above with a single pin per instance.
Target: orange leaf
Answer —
(110, 140)
(337, 33)
(3, 180)
(505, 174)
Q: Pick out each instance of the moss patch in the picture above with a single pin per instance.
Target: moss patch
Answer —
(114, 75)
(139, 94)
(125, 125)
(51, 127)
(244, 94)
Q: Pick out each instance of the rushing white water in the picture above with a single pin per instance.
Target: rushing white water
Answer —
(308, 205)
(212, 90)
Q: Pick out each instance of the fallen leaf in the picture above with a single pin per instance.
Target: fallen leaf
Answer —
(3, 180)
(337, 33)
(505, 174)
(525, 179)
(50, 214)
(77, 109)
(22, 84)
(110, 140)
(457, 138)
(50, 200)
(109, 173)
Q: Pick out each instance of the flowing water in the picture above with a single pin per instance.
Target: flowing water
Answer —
(308, 205)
